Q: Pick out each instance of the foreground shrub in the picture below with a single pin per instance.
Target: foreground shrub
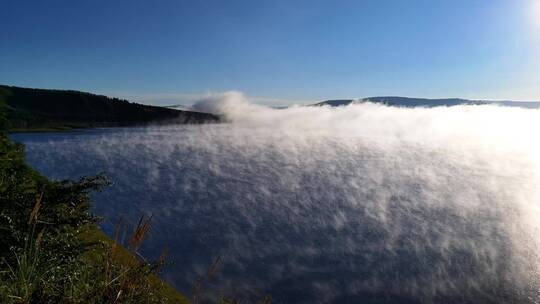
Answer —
(52, 251)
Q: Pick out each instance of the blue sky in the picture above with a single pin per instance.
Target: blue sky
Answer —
(278, 51)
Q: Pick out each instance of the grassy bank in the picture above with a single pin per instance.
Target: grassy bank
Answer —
(52, 250)
(123, 257)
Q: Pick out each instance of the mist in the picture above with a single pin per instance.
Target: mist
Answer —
(364, 202)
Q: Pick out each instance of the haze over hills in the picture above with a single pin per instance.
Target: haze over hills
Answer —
(33, 109)
(426, 102)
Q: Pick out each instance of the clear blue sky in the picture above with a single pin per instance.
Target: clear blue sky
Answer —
(291, 50)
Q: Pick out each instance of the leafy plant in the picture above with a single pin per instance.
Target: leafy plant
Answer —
(46, 254)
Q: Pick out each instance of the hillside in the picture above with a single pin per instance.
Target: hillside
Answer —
(425, 102)
(34, 109)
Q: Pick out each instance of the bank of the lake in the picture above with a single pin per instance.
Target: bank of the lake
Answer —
(53, 251)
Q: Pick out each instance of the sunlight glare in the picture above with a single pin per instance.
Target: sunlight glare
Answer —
(535, 13)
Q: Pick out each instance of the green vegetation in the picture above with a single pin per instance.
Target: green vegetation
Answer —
(51, 110)
(52, 251)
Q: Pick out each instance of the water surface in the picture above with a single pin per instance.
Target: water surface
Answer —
(366, 203)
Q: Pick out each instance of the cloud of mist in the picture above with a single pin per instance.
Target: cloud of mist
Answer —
(188, 99)
(321, 204)
(487, 126)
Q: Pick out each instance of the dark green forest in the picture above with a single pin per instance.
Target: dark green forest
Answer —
(38, 109)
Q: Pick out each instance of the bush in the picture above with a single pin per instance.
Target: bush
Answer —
(52, 250)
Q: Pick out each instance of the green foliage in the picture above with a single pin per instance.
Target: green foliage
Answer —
(58, 210)
(26, 275)
(49, 253)
(121, 275)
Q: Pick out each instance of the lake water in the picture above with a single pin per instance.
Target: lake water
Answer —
(364, 203)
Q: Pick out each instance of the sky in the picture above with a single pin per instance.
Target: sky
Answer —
(277, 52)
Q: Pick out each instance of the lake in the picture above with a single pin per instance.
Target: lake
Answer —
(364, 203)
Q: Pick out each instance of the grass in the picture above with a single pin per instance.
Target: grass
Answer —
(52, 251)
(106, 272)
(123, 257)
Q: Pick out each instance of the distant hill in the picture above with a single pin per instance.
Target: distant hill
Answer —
(425, 102)
(34, 109)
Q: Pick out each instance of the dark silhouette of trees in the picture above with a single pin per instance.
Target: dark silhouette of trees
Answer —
(27, 108)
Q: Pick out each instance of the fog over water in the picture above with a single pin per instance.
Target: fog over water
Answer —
(318, 204)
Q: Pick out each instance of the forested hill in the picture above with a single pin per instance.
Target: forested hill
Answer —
(34, 109)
